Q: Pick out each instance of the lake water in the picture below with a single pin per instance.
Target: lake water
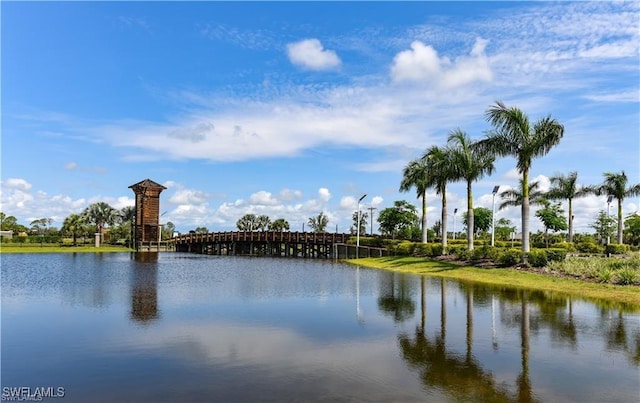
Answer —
(183, 327)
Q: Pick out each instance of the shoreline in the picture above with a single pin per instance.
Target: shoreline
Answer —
(627, 296)
(62, 249)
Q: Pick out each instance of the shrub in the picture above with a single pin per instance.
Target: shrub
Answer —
(616, 249)
(422, 249)
(509, 257)
(627, 276)
(537, 258)
(604, 275)
(436, 249)
(589, 247)
(463, 254)
(403, 248)
(567, 246)
(556, 254)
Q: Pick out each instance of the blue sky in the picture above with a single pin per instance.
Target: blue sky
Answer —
(289, 109)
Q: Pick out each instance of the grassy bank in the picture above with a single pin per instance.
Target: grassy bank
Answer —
(627, 295)
(60, 249)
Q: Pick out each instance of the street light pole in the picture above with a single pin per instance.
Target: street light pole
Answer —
(455, 210)
(609, 200)
(358, 227)
(371, 217)
(493, 216)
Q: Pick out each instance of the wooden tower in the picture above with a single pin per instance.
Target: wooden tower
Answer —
(147, 221)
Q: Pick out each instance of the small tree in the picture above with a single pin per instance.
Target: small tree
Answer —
(504, 228)
(247, 222)
(364, 216)
(201, 230)
(319, 223)
(75, 224)
(605, 225)
(632, 229)
(262, 222)
(482, 220)
(551, 216)
(279, 224)
(615, 184)
(396, 218)
(437, 228)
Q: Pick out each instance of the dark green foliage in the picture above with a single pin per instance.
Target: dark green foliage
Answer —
(463, 254)
(556, 254)
(509, 257)
(567, 246)
(394, 219)
(484, 252)
(402, 248)
(423, 249)
(537, 258)
(589, 247)
(616, 249)
(436, 249)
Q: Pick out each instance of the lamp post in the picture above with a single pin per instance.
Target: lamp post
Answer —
(371, 217)
(493, 216)
(609, 200)
(455, 211)
(358, 226)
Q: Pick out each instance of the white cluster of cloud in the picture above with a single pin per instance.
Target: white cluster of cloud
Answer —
(421, 64)
(18, 198)
(310, 54)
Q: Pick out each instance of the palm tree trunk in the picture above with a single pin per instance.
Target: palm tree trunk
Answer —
(525, 212)
(469, 216)
(619, 221)
(570, 221)
(443, 220)
(424, 217)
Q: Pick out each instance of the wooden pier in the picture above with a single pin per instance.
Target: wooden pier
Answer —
(271, 243)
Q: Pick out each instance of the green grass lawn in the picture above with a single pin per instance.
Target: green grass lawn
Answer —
(629, 296)
(35, 248)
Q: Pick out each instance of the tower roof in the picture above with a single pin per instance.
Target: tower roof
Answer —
(147, 183)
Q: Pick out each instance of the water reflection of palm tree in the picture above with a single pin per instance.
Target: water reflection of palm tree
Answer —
(525, 391)
(462, 378)
(398, 303)
(144, 287)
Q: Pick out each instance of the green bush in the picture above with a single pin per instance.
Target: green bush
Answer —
(567, 246)
(422, 249)
(436, 249)
(509, 257)
(403, 248)
(627, 276)
(589, 247)
(463, 254)
(537, 258)
(556, 254)
(616, 249)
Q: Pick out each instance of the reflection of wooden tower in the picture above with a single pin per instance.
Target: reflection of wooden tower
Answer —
(147, 222)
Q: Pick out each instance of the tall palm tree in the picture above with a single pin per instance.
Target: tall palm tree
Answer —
(74, 224)
(440, 168)
(469, 163)
(514, 197)
(514, 135)
(416, 174)
(615, 184)
(566, 187)
(319, 223)
(100, 214)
